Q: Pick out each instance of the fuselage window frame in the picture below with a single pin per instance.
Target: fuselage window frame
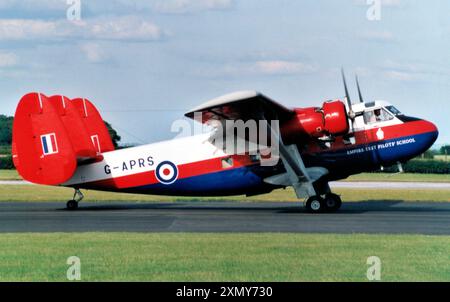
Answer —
(372, 117)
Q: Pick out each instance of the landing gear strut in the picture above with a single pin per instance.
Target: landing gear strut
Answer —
(77, 197)
(329, 203)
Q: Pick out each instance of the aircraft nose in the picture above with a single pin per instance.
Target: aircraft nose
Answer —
(432, 132)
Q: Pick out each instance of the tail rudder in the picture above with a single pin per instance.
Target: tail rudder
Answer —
(53, 135)
(76, 130)
(94, 125)
(43, 152)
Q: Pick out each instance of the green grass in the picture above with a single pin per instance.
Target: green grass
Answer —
(31, 193)
(223, 257)
(415, 177)
(442, 157)
(9, 175)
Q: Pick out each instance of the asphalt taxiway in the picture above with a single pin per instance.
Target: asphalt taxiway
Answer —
(393, 217)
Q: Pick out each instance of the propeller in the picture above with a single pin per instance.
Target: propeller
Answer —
(359, 90)
(350, 113)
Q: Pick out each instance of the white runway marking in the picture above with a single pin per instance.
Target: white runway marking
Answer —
(389, 185)
(14, 182)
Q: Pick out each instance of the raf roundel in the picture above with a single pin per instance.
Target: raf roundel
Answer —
(166, 172)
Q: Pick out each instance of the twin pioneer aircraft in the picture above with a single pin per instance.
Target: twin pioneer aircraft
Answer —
(63, 142)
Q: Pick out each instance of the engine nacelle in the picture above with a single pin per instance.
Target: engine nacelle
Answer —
(335, 115)
(330, 120)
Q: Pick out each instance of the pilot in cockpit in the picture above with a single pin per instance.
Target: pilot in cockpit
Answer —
(377, 115)
(370, 117)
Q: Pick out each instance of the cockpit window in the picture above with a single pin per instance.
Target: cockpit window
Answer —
(376, 116)
(393, 110)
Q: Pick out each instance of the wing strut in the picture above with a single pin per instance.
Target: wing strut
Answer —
(296, 171)
(297, 174)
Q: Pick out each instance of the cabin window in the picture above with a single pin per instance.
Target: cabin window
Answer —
(227, 163)
(393, 110)
(376, 116)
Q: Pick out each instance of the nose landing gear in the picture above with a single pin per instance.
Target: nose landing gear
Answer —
(77, 197)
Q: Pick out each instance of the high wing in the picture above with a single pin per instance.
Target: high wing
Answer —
(243, 105)
(248, 105)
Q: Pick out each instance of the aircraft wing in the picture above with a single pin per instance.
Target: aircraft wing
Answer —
(247, 105)
(242, 105)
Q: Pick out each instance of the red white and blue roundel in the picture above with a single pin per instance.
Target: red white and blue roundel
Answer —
(166, 172)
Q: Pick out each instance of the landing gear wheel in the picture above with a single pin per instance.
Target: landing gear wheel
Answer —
(77, 197)
(72, 205)
(315, 204)
(332, 202)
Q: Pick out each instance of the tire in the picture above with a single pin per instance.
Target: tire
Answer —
(315, 204)
(72, 205)
(332, 202)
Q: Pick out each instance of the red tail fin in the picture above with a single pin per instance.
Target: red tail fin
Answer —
(42, 150)
(50, 135)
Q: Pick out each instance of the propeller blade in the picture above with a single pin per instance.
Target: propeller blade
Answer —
(347, 97)
(359, 90)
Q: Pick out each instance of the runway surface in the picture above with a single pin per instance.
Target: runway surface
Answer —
(354, 217)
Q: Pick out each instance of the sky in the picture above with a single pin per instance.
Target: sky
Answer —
(145, 63)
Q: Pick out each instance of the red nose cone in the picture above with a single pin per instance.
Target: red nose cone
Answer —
(434, 127)
(432, 132)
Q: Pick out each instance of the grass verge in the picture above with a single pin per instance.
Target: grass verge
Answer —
(405, 177)
(9, 175)
(223, 257)
(32, 193)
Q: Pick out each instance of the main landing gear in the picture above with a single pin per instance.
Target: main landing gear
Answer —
(77, 197)
(329, 203)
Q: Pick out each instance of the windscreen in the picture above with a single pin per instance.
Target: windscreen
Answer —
(393, 110)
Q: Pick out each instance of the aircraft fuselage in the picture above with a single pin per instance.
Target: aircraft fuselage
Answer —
(193, 166)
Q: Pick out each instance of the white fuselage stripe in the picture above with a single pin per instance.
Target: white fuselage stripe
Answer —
(179, 151)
